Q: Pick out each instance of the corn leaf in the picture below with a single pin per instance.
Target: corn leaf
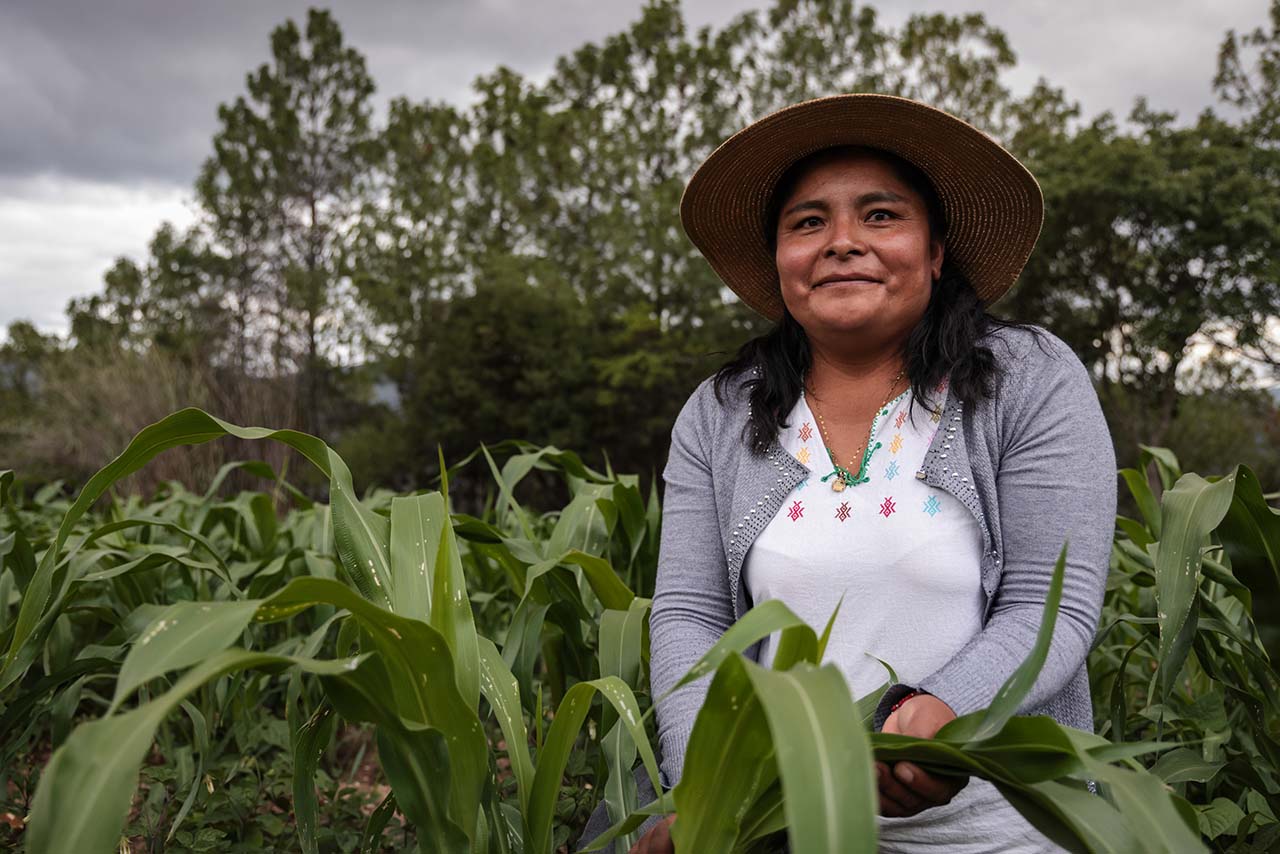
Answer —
(417, 762)
(1144, 498)
(604, 581)
(1250, 530)
(554, 755)
(762, 620)
(664, 805)
(1189, 511)
(502, 692)
(729, 763)
(371, 838)
(451, 615)
(1054, 809)
(1009, 697)
(1149, 810)
(1167, 465)
(416, 525)
(183, 634)
(419, 688)
(619, 653)
(307, 741)
(824, 762)
(523, 643)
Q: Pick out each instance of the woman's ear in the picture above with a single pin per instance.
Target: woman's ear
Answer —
(936, 251)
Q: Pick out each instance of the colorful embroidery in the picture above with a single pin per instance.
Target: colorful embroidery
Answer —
(902, 416)
(932, 506)
(896, 444)
(796, 511)
(806, 432)
(887, 507)
(802, 484)
(803, 456)
(935, 416)
(892, 471)
(842, 512)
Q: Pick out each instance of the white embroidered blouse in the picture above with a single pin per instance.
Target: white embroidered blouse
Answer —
(903, 561)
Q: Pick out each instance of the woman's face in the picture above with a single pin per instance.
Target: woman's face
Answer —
(854, 252)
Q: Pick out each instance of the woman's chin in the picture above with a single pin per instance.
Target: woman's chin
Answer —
(845, 314)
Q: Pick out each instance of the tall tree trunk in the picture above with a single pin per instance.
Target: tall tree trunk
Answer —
(314, 290)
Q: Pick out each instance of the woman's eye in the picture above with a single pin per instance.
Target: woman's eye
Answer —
(809, 220)
(880, 215)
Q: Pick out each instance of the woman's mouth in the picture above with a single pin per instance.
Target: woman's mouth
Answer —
(850, 281)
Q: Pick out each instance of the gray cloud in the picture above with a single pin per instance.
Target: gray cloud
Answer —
(58, 236)
(128, 90)
(1105, 53)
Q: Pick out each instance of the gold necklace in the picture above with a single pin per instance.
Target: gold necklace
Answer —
(844, 477)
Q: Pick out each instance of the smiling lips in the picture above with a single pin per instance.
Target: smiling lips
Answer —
(850, 279)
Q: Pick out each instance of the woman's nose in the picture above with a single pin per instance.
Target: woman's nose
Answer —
(845, 240)
(845, 237)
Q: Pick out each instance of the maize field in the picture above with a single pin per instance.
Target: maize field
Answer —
(382, 673)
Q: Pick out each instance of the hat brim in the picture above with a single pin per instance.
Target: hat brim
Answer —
(993, 205)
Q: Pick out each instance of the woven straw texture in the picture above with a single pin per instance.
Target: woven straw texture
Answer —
(993, 205)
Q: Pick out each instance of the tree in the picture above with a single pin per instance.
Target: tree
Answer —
(23, 356)
(406, 256)
(238, 220)
(1248, 76)
(282, 190)
(1248, 79)
(572, 186)
(1150, 237)
(167, 303)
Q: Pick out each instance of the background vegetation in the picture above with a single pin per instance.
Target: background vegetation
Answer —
(490, 675)
(516, 268)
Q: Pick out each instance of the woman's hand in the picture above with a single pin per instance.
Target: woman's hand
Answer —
(906, 789)
(657, 840)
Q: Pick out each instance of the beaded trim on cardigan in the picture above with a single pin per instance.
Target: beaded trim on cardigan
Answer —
(759, 516)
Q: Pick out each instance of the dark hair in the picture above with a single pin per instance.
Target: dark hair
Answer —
(947, 340)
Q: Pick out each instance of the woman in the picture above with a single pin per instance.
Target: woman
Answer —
(888, 442)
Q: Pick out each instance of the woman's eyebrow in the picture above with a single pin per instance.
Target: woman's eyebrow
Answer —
(809, 205)
(879, 196)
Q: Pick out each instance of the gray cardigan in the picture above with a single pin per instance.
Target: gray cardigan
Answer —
(1034, 463)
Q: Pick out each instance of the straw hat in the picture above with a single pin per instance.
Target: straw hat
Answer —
(993, 205)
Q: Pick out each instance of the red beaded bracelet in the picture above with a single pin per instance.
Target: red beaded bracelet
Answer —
(898, 704)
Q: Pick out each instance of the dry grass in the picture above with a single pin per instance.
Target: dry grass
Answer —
(92, 407)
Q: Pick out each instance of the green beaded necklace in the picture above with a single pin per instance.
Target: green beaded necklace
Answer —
(843, 476)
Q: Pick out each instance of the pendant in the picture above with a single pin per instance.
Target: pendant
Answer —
(838, 484)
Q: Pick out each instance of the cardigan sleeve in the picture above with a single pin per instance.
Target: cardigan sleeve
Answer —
(691, 602)
(1055, 483)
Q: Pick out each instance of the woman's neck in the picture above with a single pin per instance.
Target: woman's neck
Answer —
(855, 381)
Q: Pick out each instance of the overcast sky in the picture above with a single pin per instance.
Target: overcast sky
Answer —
(109, 107)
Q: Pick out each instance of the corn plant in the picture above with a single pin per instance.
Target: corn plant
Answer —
(122, 567)
(1189, 636)
(419, 681)
(387, 635)
(783, 748)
